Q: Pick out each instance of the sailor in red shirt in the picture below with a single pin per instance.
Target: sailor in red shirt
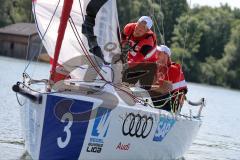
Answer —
(169, 79)
(141, 52)
(141, 41)
(168, 70)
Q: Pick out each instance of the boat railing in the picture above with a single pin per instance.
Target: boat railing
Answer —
(174, 104)
(201, 103)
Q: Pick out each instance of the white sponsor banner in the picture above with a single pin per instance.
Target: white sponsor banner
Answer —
(137, 133)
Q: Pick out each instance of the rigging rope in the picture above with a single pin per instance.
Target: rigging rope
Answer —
(81, 10)
(186, 30)
(173, 105)
(162, 24)
(84, 49)
(185, 39)
(18, 100)
(155, 22)
(80, 43)
(86, 53)
(40, 34)
(76, 33)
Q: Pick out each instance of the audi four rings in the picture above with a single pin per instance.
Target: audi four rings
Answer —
(137, 125)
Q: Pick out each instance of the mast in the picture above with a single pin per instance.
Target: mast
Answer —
(67, 7)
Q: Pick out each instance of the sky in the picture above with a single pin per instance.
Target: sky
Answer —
(216, 3)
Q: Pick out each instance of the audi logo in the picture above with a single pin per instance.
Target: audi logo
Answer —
(137, 125)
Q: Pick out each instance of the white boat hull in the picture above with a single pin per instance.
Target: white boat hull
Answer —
(125, 132)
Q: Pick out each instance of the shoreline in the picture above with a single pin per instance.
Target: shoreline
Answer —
(45, 59)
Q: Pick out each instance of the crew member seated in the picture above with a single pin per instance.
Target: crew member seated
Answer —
(169, 89)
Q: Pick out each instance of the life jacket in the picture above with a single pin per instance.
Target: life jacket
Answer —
(137, 43)
(175, 75)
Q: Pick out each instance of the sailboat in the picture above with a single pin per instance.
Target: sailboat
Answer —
(91, 114)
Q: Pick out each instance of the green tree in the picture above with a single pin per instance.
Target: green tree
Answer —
(216, 33)
(225, 71)
(186, 43)
(161, 11)
(198, 41)
(236, 13)
(213, 71)
(13, 11)
(232, 58)
(172, 9)
(5, 11)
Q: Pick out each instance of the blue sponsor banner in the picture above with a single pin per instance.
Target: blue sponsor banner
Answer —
(63, 131)
(164, 126)
(101, 123)
(99, 131)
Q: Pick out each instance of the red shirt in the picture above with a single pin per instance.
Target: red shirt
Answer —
(141, 46)
(174, 74)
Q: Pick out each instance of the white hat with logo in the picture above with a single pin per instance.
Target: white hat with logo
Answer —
(164, 49)
(146, 19)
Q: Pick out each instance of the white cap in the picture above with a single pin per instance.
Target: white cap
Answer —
(146, 19)
(164, 49)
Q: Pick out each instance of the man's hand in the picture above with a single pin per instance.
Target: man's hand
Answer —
(163, 88)
(124, 43)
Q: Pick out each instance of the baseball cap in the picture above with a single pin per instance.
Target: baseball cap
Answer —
(164, 49)
(146, 19)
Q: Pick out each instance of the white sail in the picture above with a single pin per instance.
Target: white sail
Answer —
(105, 28)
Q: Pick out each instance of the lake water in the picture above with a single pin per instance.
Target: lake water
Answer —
(218, 139)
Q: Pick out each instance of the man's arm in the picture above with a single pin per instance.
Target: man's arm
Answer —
(163, 88)
(146, 49)
(146, 45)
(127, 31)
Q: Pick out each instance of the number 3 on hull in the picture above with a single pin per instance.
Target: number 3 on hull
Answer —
(63, 143)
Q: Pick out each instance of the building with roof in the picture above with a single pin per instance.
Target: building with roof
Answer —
(20, 40)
